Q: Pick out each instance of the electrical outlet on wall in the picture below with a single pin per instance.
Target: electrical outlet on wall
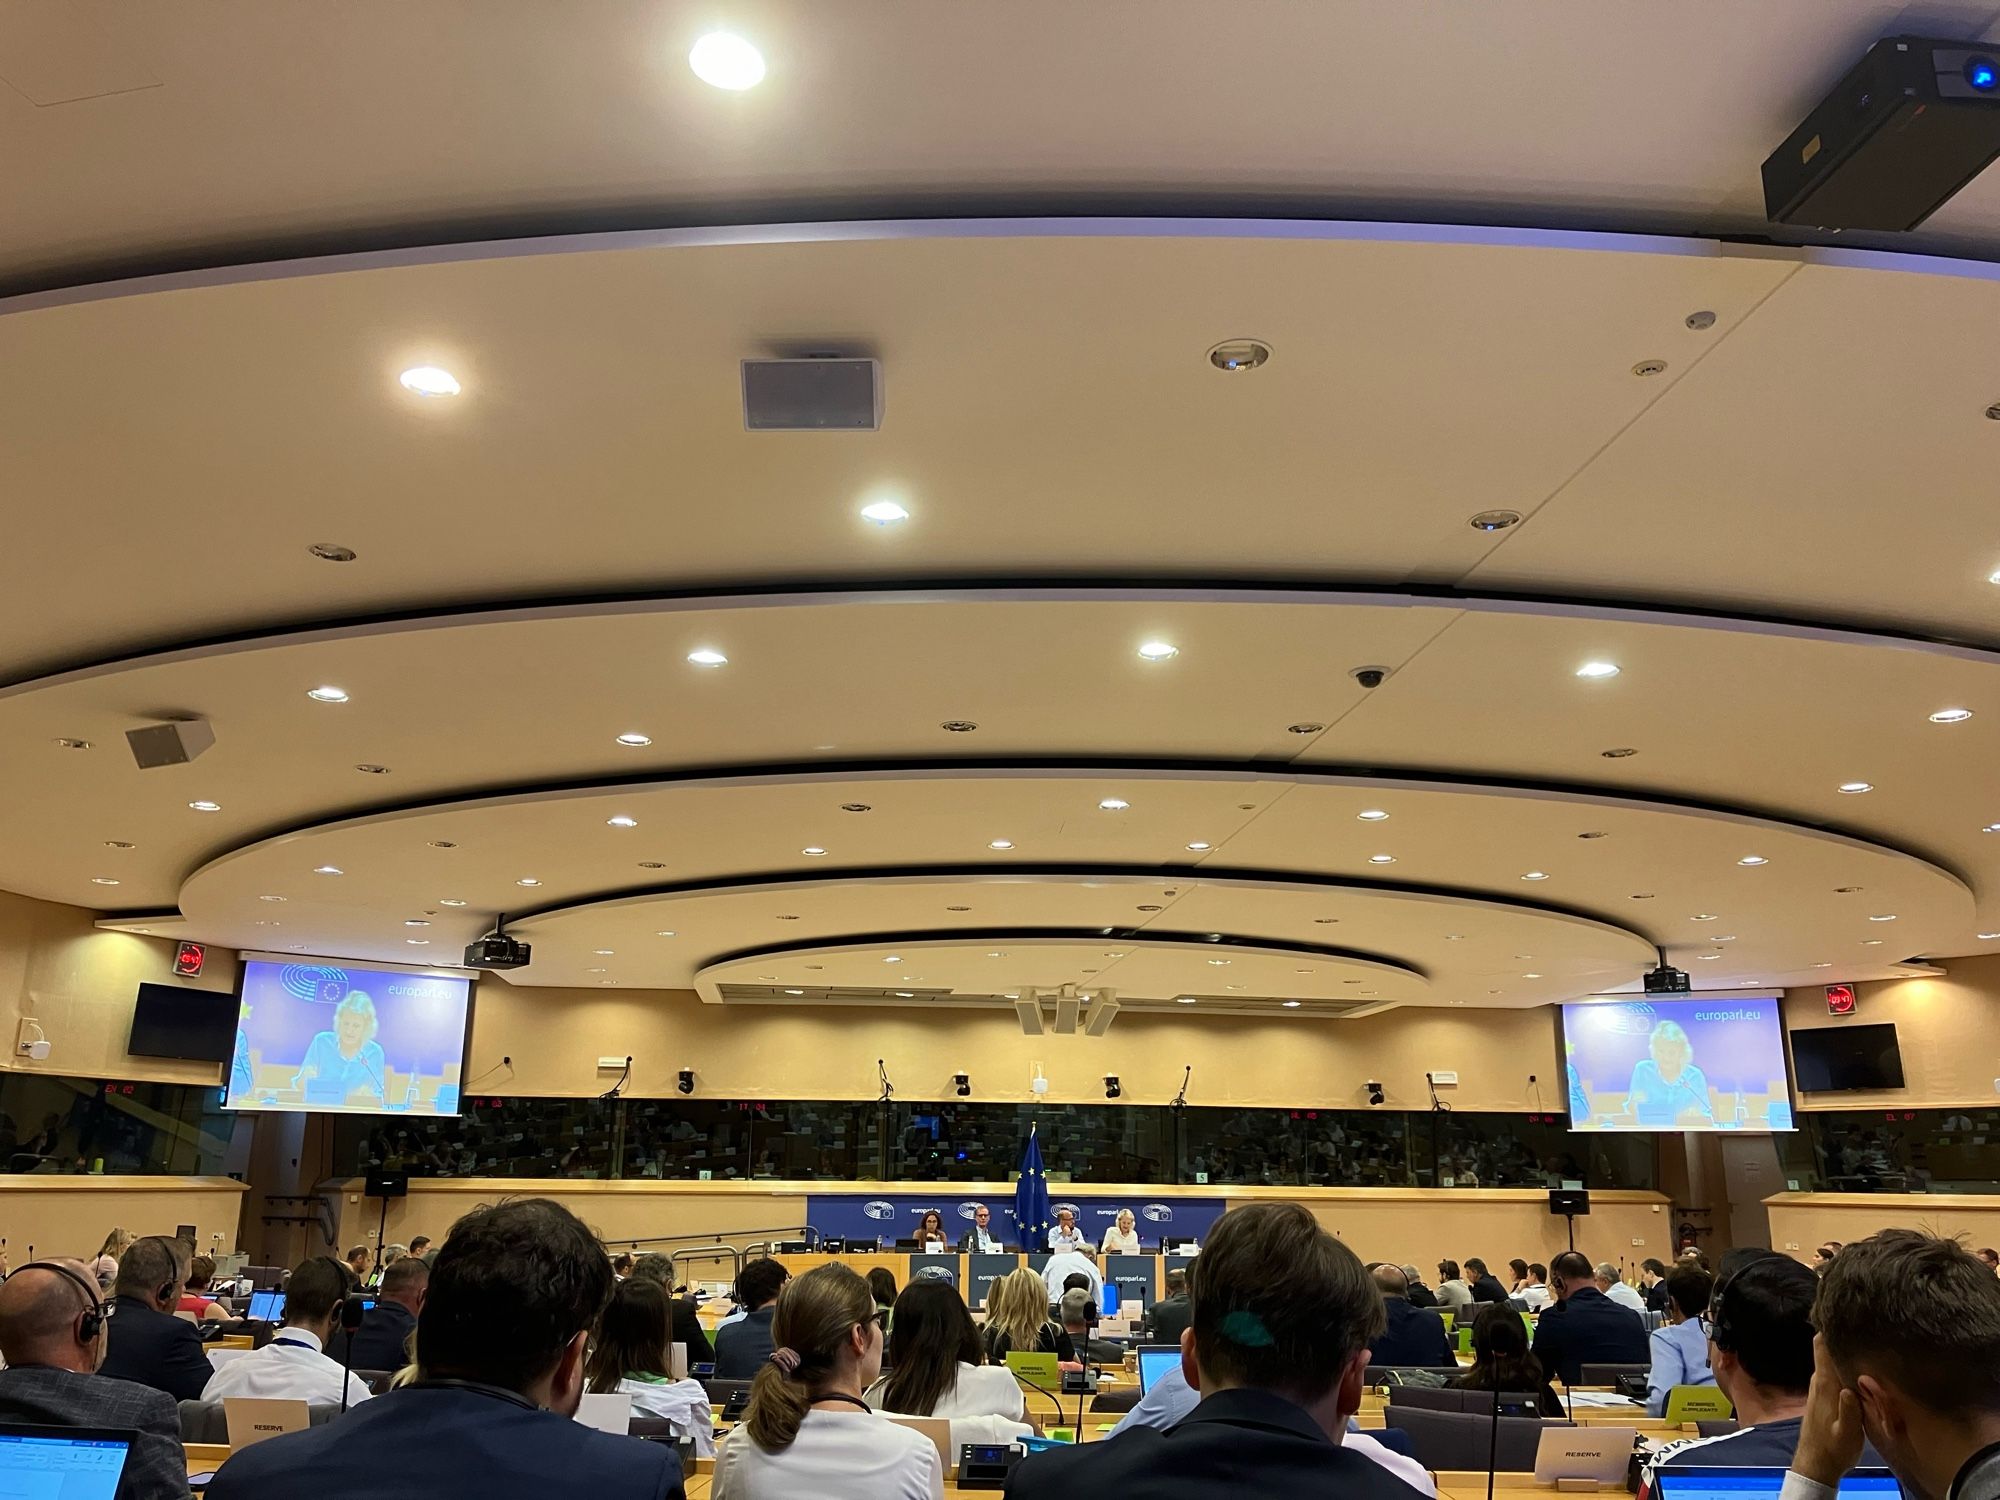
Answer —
(1637, 1242)
(1791, 1244)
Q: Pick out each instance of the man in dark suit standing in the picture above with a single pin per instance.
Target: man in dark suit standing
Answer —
(379, 1343)
(1167, 1319)
(1585, 1327)
(512, 1298)
(1414, 1336)
(980, 1238)
(1283, 1315)
(148, 1343)
(52, 1335)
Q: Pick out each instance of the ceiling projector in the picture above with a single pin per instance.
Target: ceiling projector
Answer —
(497, 951)
(1665, 980)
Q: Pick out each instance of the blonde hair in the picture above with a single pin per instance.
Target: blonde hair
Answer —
(1123, 1215)
(1017, 1306)
(117, 1243)
(816, 1316)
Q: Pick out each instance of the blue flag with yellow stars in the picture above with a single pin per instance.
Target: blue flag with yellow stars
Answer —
(1032, 1214)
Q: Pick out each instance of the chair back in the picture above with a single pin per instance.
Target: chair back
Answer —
(1479, 1403)
(1462, 1440)
(203, 1422)
(1717, 1427)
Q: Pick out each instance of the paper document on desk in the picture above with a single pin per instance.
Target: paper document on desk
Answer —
(1598, 1398)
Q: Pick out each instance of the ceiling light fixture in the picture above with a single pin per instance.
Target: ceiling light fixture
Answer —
(958, 726)
(893, 959)
(634, 741)
(1887, 916)
(1855, 788)
(812, 851)
(621, 821)
(1591, 834)
(118, 844)
(1495, 520)
(415, 922)
(1531, 976)
(1597, 669)
(68, 742)
(1198, 846)
(1753, 859)
(332, 552)
(707, 656)
(1622, 752)
(794, 992)
(604, 952)
(1159, 651)
(1235, 356)
(1371, 815)
(1707, 956)
(725, 60)
(1951, 716)
(270, 898)
(527, 880)
(884, 513)
(1305, 727)
(451, 901)
(1536, 875)
(429, 380)
(1184, 999)
(206, 806)
(102, 880)
(1871, 942)
(1381, 859)
(369, 768)
(1001, 844)
(1291, 1004)
(1702, 916)
(1723, 937)
(667, 933)
(1113, 804)
(1987, 937)
(441, 843)
(328, 870)
(326, 695)
(1219, 963)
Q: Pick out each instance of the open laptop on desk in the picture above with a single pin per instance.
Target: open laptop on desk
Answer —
(1674, 1483)
(1154, 1361)
(268, 1307)
(75, 1463)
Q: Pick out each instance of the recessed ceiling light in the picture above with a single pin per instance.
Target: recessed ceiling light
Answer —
(1454, 937)
(1753, 859)
(102, 880)
(794, 992)
(1706, 957)
(326, 695)
(1535, 875)
(1951, 716)
(119, 844)
(634, 741)
(1827, 965)
(669, 932)
(429, 380)
(1001, 844)
(1871, 942)
(1325, 921)
(1159, 651)
(1145, 908)
(1595, 669)
(1642, 895)
(1887, 916)
(958, 726)
(1306, 727)
(415, 922)
(1987, 937)
(1591, 834)
(787, 918)
(1622, 752)
(621, 821)
(369, 768)
(1381, 859)
(332, 552)
(527, 880)
(1702, 916)
(1198, 846)
(1994, 576)
(418, 942)
(1113, 804)
(812, 851)
(597, 971)
(603, 952)
(607, 981)
(958, 908)
(892, 959)
(441, 843)
(707, 656)
(451, 901)
(1991, 828)
(1495, 520)
(884, 513)
(68, 742)
(1853, 788)
(1291, 1005)
(206, 806)
(1184, 999)
(1845, 890)
(266, 922)
(1723, 937)
(1371, 815)
(328, 870)
(270, 898)
(1531, 976)
(855, 807)
(1235, 356)
(1220, 963)
(1232, 986)
(724, 60)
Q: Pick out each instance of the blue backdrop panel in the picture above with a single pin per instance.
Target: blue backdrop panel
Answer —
(893, 1216)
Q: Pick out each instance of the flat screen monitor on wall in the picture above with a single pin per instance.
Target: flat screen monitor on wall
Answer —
(171, 1020)
(347, 1038)
(1714, 1063)
(1831, 1058)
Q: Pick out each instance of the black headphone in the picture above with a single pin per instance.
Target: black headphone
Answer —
(89, 1322)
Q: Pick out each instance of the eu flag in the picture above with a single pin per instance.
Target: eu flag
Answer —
(1032, 1214)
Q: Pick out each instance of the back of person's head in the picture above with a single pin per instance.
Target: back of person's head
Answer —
(357, 1256)
(1605, 1273)
(653, 1266)
(882, 1285)
(1448, 1271)
(513, 1285)
(1498, 1335)
(419, 1244)
(759, 1281)
(201, 1271)
(1762, 1314)
(1412, 1275)
(393, 1253)
(315, 1287)
(817, 1321)
(1475, 1265)
(1074, 1280)
(116, 1243)
(1391, 1280)
(405, 1277)
(1017, 1305)
(933, 1335)
(1649, 1264)
(39, 1317)
(1690, 1289)
(1537, 1270)
(1177, 1282)
(1280, 1304)
(151, 1268)
(631, 1336)
(622, 1263)
(1918, 1313)
(1077, 1307)
(1571, 1268)
(1990, 1256)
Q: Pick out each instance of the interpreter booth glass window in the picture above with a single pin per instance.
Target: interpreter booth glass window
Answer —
(1278, 1147)
(494, 1137)
(52, 1124)
(1536, 1150)
(808, 1141)
(960, 1142)
(1904, 1150)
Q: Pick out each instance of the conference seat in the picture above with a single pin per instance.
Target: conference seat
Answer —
(204, 1422)
(1609, 1374)
(1434, 1398)
(1717, 1426)
(1463, 1440)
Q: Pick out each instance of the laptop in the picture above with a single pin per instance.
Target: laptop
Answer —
(251, 1419)
(1154, 1361)
(268, 1307)
(1671, 1482)
(608, 1412)
(75, 1463)
(1600, 1453)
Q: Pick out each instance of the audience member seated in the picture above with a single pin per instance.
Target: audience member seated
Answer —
(938, 1369)
(1485, 1285)
(294, 1365)
(1991, 1259)
(808, 1431)
(1064, 1234)
(1017, 1317)
(1062, 1269)
(1078, 1311)
(1585, 1327)
(1520, 1269)
(196, 1298)
(1824, 1256)
(52, 1335)
(512, 1297)
(1908, 1357)
(1167, 1319)
(357, 1264)
(1453, 1292)
(1420, 1295)
(148, 1343)
(1613, 1286)
(1122, 1238)
(742, 1347)
(382, 1341)
(1412, 1335)
(629, 1358)
(105, 1267)
(980, 1238)
(1501, 1361)
(1535, 1295)
(1761, 1348)
(1680, 1349)
(1283, 1315)
(420, 1246)
(622, 1264)
(1653, 1285)
(684, 1318)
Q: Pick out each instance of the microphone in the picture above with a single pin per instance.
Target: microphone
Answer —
(888, 1088)
(1180, 1099)
(351, 1312)
(1054, 1400)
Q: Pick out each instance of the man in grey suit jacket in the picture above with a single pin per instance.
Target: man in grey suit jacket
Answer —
(52, 1334)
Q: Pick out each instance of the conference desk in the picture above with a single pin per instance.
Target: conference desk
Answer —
(1138, 1275)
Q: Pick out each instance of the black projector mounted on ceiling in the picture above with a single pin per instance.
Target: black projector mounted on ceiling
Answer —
(1911, 123)
(497, 951)
(1667, 980)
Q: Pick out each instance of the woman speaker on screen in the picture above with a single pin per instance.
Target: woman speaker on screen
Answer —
(348, 1055)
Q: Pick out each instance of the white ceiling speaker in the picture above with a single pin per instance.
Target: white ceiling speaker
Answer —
(172, 744)
(1101, 1015)
(1029, 1009)
(820, 394)
(1068, 1006)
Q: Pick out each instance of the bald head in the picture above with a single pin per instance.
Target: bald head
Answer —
(38, 1313)
(1391, 1281)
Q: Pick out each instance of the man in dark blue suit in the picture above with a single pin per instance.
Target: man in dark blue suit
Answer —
(511, 1302)
(1414, 1336)
(1282, 1315)
(148, 1344)
(385, 1328)
(1585, 1327)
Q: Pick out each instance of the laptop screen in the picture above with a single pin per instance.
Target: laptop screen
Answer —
(78, 1465)
(267, 1306)
(1673, 1483)
(1154, 1361)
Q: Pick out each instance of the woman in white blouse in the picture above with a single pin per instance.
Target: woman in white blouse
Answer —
(1122, 1238)
(1065, 1235)
(807, 1430)
(629, 1357)
(940, 1370)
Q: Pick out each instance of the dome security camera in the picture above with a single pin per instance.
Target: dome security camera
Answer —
(1369, 677)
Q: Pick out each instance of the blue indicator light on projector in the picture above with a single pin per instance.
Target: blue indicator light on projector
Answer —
(1982, 74)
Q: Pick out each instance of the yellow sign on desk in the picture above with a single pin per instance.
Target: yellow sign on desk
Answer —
(1696, 1403)
(1040, 1367)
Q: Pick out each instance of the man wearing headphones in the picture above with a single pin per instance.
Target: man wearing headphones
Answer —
(52, 1335)
(148, 1343)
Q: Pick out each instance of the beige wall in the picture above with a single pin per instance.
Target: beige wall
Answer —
(1948, 1029)
(772, 1052)
(71, 1215)
(79, 982)
(1800, 1221)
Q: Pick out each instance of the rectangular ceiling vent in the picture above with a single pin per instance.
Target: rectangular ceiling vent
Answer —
(812, 395)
